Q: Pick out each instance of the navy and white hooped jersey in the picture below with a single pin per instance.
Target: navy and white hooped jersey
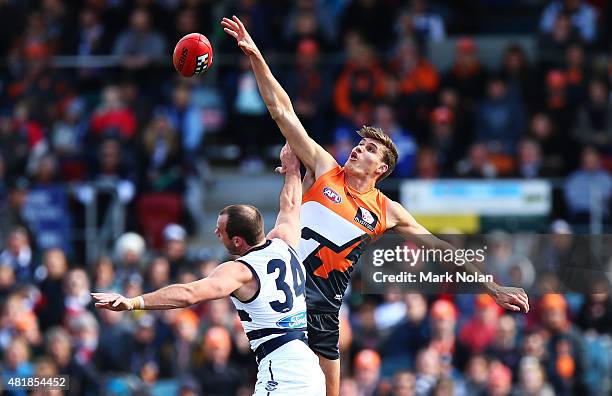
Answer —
(276, 314)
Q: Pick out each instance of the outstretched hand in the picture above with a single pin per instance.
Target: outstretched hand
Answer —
(511, 298)
(113, 301)
(235, 28)
(288, 160)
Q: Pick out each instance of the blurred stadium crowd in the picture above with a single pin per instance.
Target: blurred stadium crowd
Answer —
(88, 98)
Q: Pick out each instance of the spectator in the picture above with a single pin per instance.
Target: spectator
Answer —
(481, 330)
(361, 81)
(104, 279)
(16, 363)
(517, 73)
(558, 104)
(478, 164)
(158, 274)
(109, 358)
(112, 118)
(384, 118)
(504, 347)
(427, 165)
(218, 376)
(139, 45)
(77, 294)
(529, 162)
(551, 142)
(408, 336)
(83, 378)
(532, 379)
(162, 168)
(185, 117)
(476, 375)
(19, 255)
(567, 364)
(443, 338)
(500, 119)
(129, 250)
(175, 249)
(444, 139)
(581, 14)
(594, 119)
(403, 383)
(366, 368)
(180, 351)
(467, 75)
(553, 44)
(309, 85)
(427, 371)
(372, 20)
(590, 185)
(417, 81)
(302, 26)
(500, 380)
(84, 329)
(50, 308)
(419, 20)
(596, 312)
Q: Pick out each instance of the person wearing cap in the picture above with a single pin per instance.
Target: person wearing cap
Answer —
(175, 249)
(566, 347)
(217, 374)
(481, 330)
(467, 74)
(443, 338)
(266, 284)
(366, 368)
(444, 140)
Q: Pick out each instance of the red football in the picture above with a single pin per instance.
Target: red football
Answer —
(192, 55)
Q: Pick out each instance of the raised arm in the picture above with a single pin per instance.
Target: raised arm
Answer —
(225, 279)
(403, 223)
(279, 105)
(287, 225)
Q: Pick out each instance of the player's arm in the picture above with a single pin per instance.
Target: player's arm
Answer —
(278, 103)
(404, 224)
(224, 280)
(287, 225)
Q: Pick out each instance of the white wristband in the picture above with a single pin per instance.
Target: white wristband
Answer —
(141, 304)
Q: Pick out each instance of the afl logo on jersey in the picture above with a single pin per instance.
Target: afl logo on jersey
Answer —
(366, 218)
(332, 195)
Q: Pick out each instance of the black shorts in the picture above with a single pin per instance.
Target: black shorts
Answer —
(324, 333)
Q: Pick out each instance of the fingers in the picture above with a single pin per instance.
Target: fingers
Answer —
(511, 307)
(280, 169)
(226, 22)
(239, 22)
(230, 32)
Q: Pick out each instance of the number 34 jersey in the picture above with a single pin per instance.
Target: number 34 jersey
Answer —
(337, 223)
(278, 309)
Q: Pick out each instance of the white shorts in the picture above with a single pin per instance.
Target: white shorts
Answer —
(291, 370)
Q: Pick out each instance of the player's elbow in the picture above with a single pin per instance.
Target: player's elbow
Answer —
(190, 295)
(278, 113)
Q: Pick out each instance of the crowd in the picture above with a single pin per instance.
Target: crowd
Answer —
(88, 98)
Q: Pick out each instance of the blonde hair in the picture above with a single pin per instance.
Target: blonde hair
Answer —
(390, 155)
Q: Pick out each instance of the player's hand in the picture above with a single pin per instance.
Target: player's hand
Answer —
(511, 298)
(236, 29)
(289, 161)
(113, 301)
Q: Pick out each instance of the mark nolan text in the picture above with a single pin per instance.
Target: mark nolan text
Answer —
(424, 277)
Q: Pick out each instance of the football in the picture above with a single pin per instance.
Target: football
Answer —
(192, 55)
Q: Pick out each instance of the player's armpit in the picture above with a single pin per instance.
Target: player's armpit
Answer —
(402, 222)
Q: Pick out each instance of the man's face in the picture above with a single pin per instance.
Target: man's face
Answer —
(222, 235)
(366, 159)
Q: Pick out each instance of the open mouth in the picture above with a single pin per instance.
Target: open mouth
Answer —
(353, 156)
